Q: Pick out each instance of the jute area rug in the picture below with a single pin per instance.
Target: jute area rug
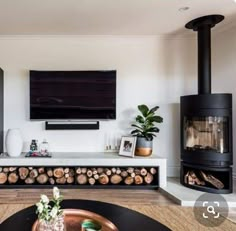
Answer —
(232, 215)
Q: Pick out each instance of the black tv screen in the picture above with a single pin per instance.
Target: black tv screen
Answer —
(72, 95)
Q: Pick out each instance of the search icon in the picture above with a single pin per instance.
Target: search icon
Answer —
(211, 209)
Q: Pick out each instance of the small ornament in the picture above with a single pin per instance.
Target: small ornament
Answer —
(44, 147)
(33, 145)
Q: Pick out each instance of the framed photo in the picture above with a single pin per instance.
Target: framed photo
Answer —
(127, 146)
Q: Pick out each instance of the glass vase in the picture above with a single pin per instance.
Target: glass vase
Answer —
(56, 224)
(44, 148)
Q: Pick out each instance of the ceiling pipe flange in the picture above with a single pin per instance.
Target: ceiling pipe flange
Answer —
(210, 20)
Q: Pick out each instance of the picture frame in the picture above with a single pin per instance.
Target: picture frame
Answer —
(127, 146)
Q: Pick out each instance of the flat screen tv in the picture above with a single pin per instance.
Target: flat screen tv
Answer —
(72, 95)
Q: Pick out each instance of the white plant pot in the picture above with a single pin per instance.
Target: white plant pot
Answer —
(14, 142)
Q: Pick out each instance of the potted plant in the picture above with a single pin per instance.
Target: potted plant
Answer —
(50, 214)
(145, 129)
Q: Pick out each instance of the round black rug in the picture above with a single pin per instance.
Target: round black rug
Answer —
(124, 218)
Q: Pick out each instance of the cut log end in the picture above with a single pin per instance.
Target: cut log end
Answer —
(153, 171)
(33, 173)
(148, 178)
(92, 181)
(58, 172)
(82, 179)
(29, 180)
(116, 179)
(61, 180)
(51, 181)
(23, 172)
(138, 179)
(70, 180)
(42, 179)
(3, 178)
(103, 179)
(129, 180)
(13, 178)
(143, 171)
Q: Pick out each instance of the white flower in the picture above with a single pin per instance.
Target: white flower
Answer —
(53, 212)
(47, 218)
(56, 193)
(44, 199)
(39, 207)
(47, 212)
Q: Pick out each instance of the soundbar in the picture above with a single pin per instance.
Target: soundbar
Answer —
(79, 125)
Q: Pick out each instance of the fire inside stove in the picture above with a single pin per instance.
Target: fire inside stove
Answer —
(206, 133)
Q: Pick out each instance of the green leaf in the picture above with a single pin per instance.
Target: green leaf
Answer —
(155, 129)
(157, 119)
(136, 133)
(140, 119)
(136, 126)
(150, 115)
(153, 109)
(143, 109)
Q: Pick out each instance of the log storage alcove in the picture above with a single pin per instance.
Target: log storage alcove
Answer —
(83, 170)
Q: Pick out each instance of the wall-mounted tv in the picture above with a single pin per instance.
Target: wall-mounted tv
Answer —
(72, 95)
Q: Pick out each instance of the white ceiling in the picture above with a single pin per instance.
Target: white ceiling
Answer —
(106, 17)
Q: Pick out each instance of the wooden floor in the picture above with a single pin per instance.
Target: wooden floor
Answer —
(149, 202)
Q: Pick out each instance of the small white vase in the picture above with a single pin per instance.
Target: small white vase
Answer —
(14, 142)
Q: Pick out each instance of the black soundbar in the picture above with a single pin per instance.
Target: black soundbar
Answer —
(72, 125)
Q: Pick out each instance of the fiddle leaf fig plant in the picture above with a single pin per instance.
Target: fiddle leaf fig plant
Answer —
(145, 125)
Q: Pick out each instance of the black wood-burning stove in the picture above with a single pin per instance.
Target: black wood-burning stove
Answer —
(206, 124)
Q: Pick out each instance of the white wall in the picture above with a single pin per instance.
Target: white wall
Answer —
(224, 71)
(150, 70)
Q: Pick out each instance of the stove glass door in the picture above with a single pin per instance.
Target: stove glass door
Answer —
(206, 133)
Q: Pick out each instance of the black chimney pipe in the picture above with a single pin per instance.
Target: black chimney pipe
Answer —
(203, 26)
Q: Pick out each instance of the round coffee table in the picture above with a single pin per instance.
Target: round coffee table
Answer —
(125, 219)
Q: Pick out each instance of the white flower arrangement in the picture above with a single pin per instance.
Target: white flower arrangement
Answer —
(49, 210)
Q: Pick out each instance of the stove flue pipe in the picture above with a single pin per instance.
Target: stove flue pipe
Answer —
(203, 26)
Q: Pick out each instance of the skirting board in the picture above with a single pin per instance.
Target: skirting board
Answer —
(87, 125)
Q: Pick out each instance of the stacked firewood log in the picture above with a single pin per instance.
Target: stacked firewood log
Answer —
(77, 175)
(37, 175)
(115, 176)
(202, 178)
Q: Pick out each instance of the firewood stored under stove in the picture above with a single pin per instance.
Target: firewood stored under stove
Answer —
(191, 178)
(212, 180)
